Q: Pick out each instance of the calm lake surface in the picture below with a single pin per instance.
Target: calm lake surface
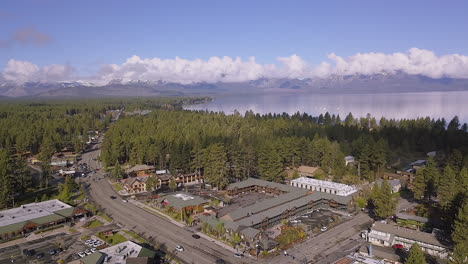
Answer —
(390, 105)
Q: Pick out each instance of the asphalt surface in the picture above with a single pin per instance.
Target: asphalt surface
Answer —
(140, 221)
(328, 246)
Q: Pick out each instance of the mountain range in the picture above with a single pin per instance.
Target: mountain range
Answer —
(381, 83)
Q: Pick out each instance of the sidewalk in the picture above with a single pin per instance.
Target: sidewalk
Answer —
(157, 212)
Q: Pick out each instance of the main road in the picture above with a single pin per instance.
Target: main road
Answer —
(141, 221)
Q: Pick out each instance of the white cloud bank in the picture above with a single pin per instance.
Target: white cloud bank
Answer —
(227, 69)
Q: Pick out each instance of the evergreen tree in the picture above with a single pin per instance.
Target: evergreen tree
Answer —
(431, 177)
(118, 172)
(172, 184)
(462, 181)
(416, 255)
(448, 186)
(215, 165)
(270, 166)
(419, 187)
(460, 227)
(383, 201)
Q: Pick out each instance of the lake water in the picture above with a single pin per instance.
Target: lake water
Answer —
(391, 105)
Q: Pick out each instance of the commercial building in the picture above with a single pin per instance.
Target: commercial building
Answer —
(36, 216)
(289, 201)
(126, 252)
(183, 202)
(388, 235)
(323, 186)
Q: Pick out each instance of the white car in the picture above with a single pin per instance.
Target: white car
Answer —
(323, 229)
(81, 254)
(93, 250)
(125, 201)
(87, 252)
(179, 248)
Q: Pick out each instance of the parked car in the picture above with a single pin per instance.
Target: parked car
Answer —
(396, 246)
(295, 221)
(29, 252)
(93, 250)
(40, 255)
(238, 255)
(179, 248)
(81, 254)
(195, 236)
(87, 252)
(52, 252)
(125, 201)
(323, 229)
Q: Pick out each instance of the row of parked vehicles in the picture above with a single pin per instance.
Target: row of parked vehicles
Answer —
(93, 244)
(32, 252)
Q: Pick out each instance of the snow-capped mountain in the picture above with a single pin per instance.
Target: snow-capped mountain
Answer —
(379, 83)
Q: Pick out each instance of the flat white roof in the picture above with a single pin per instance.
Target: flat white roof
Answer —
(341, 189)
(31, 211)
(183, 196)
(119, 253)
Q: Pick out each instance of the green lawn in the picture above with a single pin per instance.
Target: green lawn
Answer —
(113, 240)
(117, 186)
(135, 236)
(95, 223)
(73, 230)
(105, 217)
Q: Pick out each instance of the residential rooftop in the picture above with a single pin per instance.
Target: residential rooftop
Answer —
(410, 234)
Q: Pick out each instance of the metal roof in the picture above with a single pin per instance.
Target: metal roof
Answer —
(414, 235)
(257, 182)
(341, 189)
(31, 211)
(182, 200)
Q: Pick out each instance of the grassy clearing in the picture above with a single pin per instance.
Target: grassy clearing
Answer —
(117, 186)
(135, 236)
(73, 230)
(105, 217)
(112, 240)
(95, 223)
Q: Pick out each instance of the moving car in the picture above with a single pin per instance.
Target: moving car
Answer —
(396, 246)
(125, 201)
(52, 252)
(195, 236)
(323, 229)
(179, 248)
(113, 197)
(238, 255)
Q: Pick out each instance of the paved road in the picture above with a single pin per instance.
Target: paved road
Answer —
(329, 246)
(141, 221)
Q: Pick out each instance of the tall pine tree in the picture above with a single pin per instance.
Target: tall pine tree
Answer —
(416, 255)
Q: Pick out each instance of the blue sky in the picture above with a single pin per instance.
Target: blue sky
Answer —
(88, 34)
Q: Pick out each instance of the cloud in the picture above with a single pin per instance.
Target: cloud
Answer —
(226, 69)
(26, 36)
(30, 35)
(24, 71)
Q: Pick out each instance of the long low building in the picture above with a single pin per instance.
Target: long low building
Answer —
(36, 216)
(388, 235)
(289, 202)
(323, 186)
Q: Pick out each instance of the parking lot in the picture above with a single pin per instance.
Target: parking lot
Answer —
(318, 220)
